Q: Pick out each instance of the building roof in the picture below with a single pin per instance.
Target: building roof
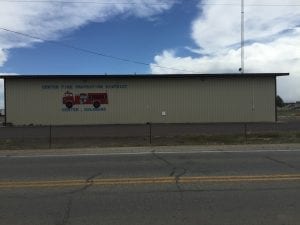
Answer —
(214, 75)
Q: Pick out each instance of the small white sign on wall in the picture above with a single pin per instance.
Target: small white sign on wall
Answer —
(163, 113)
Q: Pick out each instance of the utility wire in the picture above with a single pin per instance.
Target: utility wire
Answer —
(79, 2)
(135, 3)
(94, 52)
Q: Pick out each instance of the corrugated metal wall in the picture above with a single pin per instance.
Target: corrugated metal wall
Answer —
(140, 100)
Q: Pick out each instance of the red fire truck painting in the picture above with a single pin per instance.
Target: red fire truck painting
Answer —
(95, 99)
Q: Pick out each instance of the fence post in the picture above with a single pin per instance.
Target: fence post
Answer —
(23, 138)
(245, 133)
(150, 132)
(50, 136)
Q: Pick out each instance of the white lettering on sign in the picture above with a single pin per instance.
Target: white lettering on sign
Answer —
(50, 87)
(83, 86)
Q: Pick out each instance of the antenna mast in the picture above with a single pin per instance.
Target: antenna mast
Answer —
(242, 36)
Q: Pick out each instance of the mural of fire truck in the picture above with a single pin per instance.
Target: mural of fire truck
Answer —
(95, 99)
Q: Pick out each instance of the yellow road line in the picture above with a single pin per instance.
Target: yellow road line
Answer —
(151, 180)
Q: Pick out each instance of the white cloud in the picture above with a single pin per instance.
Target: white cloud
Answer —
(52, 20)
(272, 37)
(3, 57)
(219, 26)
(1, 94)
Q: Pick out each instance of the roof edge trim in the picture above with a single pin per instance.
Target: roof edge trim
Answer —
(215, 75)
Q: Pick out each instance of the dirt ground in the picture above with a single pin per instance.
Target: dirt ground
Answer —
(286, 115)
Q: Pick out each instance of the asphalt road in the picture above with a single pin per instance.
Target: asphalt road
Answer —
(242, 188)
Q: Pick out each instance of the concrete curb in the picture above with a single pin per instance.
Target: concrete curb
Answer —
(147, 149)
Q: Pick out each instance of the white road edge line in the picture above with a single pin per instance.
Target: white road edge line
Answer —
(144, 153)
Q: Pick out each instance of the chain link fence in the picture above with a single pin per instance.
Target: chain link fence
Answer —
(45, 137)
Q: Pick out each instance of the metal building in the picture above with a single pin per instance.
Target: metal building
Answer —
(138, 99)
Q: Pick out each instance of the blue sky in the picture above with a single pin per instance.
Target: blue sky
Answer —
(125, 36)
(200, 36)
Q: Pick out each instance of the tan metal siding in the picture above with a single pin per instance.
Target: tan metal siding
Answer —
(185, 100)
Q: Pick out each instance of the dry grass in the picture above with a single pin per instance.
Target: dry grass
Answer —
(288, 115)
(263, 138)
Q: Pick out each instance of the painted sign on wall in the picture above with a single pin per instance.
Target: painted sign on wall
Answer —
(76, 99)
(96, 99)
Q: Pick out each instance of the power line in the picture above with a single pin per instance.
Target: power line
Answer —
(93, 52)
(78, 2)
(135, 3)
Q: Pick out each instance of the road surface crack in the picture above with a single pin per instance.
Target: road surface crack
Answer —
(176, 172)
(280, 162)
(67, 213)
(88, 183)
